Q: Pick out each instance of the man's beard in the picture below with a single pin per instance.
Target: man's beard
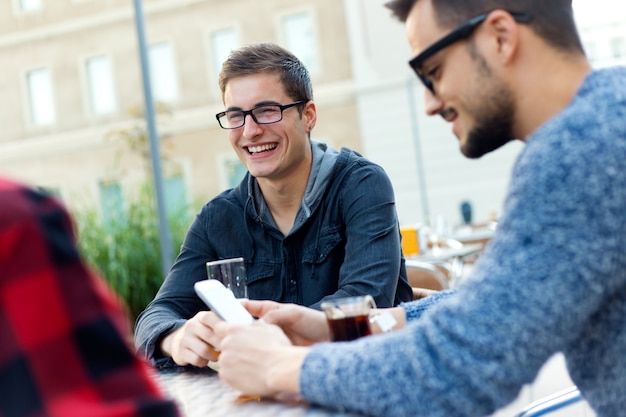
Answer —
(492, 130)
(493, 116)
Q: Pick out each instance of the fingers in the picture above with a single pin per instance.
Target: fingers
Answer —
(194, 343)
(260, 308)
(249, 353)
(209, 320)
(221, 330)
(197, 354)
(276, 313)
(280, 316)
(287, 314)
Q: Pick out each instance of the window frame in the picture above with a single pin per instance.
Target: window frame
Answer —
(213, 69)
(19, 10)
(86, 85)
(284, 37)
(617, 47)
(176, 80)
(29, 113)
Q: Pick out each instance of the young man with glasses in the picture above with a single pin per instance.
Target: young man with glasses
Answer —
(553, 279)
(311, 223)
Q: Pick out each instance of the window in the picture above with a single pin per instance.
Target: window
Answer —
(30, 5)
(175, 195)
(222, 43)
(235, 171)
(618, 47)
(100, 85)
(41, 98)
(112, 203)
(591, 51)
(300, 38)
(163, 72)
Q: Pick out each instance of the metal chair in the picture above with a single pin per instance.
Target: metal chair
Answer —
(449, 256)
(425, 278)
(552, 402)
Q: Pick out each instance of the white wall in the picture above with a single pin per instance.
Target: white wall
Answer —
(390, 102)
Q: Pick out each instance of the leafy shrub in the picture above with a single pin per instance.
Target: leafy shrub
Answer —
(126, 249)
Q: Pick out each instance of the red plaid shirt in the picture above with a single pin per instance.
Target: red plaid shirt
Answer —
(63, 336)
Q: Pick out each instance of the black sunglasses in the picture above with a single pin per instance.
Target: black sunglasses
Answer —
(460, 33)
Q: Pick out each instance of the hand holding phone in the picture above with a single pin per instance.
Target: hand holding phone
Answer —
(222, 301)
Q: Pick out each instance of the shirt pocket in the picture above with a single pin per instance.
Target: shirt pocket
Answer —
(329, 238)
(261, 283)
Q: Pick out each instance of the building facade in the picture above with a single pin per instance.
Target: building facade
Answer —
(70, 70)
(421, 155)
(71, 86)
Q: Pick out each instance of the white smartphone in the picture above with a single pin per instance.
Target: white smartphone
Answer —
(222, 301)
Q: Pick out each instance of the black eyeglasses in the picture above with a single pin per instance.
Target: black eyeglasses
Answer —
(460, 33)
(264, 114)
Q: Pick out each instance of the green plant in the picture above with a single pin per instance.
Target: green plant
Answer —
(125, 249)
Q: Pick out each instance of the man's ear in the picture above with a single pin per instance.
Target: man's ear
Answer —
(309, 115)
(505, 32)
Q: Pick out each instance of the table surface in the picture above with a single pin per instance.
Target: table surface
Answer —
(446, 252)
(202, 394)
(466, 235)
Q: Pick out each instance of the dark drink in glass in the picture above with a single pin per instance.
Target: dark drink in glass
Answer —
(349, 318)
(349, 328)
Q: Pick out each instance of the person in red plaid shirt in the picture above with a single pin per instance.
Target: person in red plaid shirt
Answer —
(63, 335)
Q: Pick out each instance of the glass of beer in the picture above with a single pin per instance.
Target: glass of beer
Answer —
(410, 240)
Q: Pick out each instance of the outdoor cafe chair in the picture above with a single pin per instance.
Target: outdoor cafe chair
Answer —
(552, 403)
(426, 277)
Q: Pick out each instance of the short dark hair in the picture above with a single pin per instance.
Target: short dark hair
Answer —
(268, 58)
(552, 20)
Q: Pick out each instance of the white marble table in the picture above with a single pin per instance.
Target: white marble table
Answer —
(467, 235)
(450, 257)
(444, 253)
(202, 394)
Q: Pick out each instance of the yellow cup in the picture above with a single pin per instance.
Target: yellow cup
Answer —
(410, 240)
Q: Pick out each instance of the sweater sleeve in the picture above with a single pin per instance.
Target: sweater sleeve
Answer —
(415, 309)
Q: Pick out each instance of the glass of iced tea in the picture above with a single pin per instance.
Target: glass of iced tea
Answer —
(349, 317)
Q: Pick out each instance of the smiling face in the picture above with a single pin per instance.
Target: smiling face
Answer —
(491, 109)
(271, 152)
(468, 93)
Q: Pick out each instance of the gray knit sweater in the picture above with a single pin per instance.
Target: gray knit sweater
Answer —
(552, 280)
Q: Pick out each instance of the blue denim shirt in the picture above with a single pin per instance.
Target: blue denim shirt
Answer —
(345, 242)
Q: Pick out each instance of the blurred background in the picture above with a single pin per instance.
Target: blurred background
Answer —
(72, 115)
(72, 119)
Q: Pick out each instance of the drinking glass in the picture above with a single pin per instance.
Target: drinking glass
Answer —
(230, 272)
(349, 317)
